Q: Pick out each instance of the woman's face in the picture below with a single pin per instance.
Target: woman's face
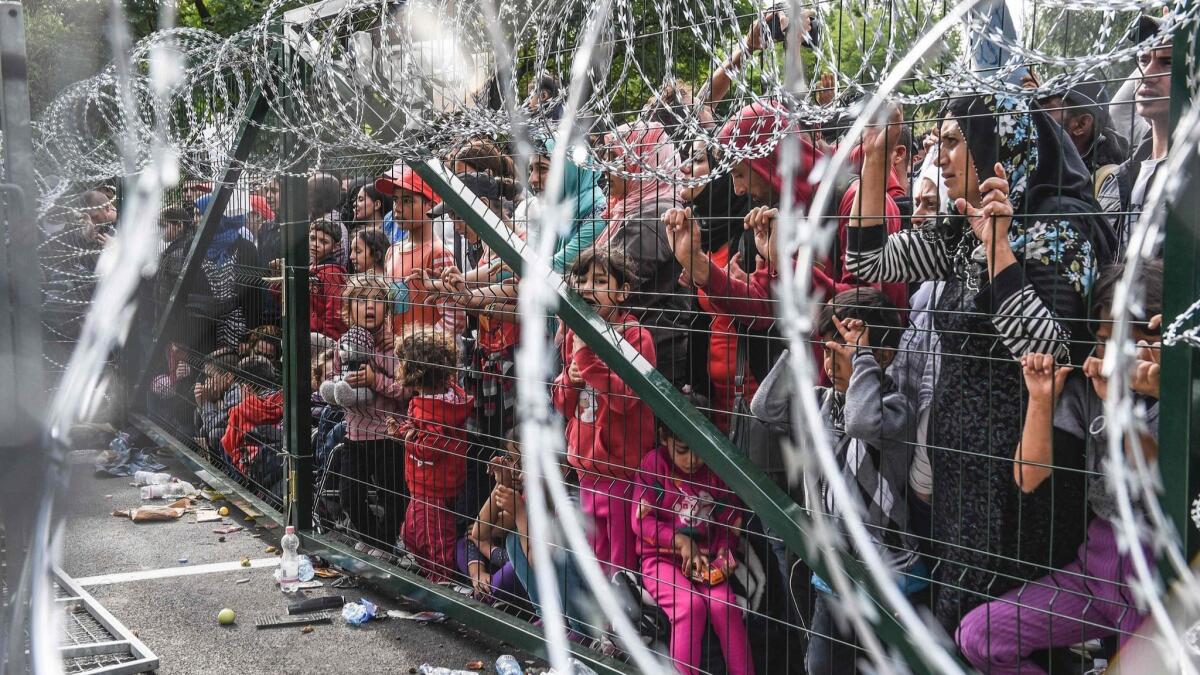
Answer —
(539, 173)
(696, 167)
(410, 209)
(957, 165)
(366, 312)
(925, 201)
(365, 208)
(746, 182)
(617, 185)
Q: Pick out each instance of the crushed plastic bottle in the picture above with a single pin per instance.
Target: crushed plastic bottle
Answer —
(151, 478)
(507, 664)
(306, 569)
(289, 565)
(358, 613)
(576, 668)
(427, 669)
(171, 490)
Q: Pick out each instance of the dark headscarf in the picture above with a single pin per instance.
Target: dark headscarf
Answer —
(1046, 175)
(720, 210)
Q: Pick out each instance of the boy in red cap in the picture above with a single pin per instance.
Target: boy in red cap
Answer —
(420, 253)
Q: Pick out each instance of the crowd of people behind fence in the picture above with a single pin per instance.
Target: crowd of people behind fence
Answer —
(964, 308)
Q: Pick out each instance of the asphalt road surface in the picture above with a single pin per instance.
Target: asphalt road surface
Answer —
(176, 616)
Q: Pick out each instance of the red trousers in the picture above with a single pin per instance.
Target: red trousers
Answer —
(428, 534)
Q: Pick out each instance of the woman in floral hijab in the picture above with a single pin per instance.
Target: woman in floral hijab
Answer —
(1019, 249)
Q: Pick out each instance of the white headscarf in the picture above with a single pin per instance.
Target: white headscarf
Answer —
(931, 170)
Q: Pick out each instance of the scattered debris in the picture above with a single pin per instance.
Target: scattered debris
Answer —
(207, 515)
(316, 604)
(144, 514)
(281, 621)
(122, 460)
(307, 629)
(181, 503)
(183, 561)
(326, 572)
(309, 585)
(242, 581)
(423, 617)
(245, 561)
(108, 497)
(474, 665)
(221, 539)
(228, 530)
(427, 669)
(358, 613)
(271, 549)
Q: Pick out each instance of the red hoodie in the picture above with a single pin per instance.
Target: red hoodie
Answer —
(435, 463)
(609, 428)
(896, 292)
(325, 284)
(252, 412)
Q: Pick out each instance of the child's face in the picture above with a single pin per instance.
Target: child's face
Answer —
(361, 255)
(837, 363)
(320, 245)
(322, 370)
(1139, 332)
(218, 381)
(366, 312)
(266, 348)
(600, 290)
(682, 456)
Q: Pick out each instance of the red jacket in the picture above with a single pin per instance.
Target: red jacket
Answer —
(609, 428)
(435, 463)
(325, 284)
(253, 411)
(897, 293)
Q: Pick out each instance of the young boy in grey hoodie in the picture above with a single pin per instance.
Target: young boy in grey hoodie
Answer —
(870, 423)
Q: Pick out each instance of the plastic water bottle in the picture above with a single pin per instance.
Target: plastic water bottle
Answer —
(427, 669)
(171, 490)
(289, 566)
(507, 664)
(151, 478)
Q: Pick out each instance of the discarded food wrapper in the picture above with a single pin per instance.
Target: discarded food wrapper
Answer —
(307, 629)
(143, 514)
(227, 530)
(207, 515)
(309, 585)
(426, 616)
(326, 572)
(121, 513)
(181, 503)
(245, 561)
(358, 613)
(474, 665)
(271, 549)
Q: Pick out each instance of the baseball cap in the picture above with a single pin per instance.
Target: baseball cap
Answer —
(481, 184)
(404, 178)
(1146, 28)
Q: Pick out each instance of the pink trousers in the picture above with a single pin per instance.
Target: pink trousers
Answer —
(608, 502)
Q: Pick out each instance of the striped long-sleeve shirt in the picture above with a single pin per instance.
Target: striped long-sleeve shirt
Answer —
(1030, 303)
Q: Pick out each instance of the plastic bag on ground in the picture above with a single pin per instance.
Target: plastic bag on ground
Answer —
(358, 613)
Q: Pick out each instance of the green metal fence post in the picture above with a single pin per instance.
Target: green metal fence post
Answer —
(778, 511)
(297, 378)
(1179, 408)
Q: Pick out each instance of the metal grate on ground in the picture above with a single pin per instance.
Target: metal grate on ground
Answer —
(93, 640)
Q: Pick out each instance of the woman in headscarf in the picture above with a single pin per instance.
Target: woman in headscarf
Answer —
(584, 196)
(1019, 249)
(635, 228)
(721, 213)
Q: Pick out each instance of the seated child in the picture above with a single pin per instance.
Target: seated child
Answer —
(686, 524)
(481, 554)
(609, 428)
(870, 423)
(261, 405)
(1092, 597)
(215, 397)
(435, 446)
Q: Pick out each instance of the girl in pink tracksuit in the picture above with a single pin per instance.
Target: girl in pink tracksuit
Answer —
(609, 428)
(686, 521)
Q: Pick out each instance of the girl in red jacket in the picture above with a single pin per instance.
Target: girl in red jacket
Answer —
(609, 428)
(326, 277)
(435, 444)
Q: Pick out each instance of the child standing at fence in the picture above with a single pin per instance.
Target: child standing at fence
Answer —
(435, 443)
(686, 523)
(371, 460)
(870, 424)
(609, 428)
(326, 277)
(1092, 597)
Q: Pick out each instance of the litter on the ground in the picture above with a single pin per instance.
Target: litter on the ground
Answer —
(122, 460)
(427, 669)
(271, 549)
(280, 621)
(316, 604)
(207, 515)
(183, 561)
(474, 665)
(242, 581)
(182, 503)
(358, 613)
(307, 629)
(228, 530)
(326, 572)
(145, 514)
(309, 585)
(245, 561)
(425, 617)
